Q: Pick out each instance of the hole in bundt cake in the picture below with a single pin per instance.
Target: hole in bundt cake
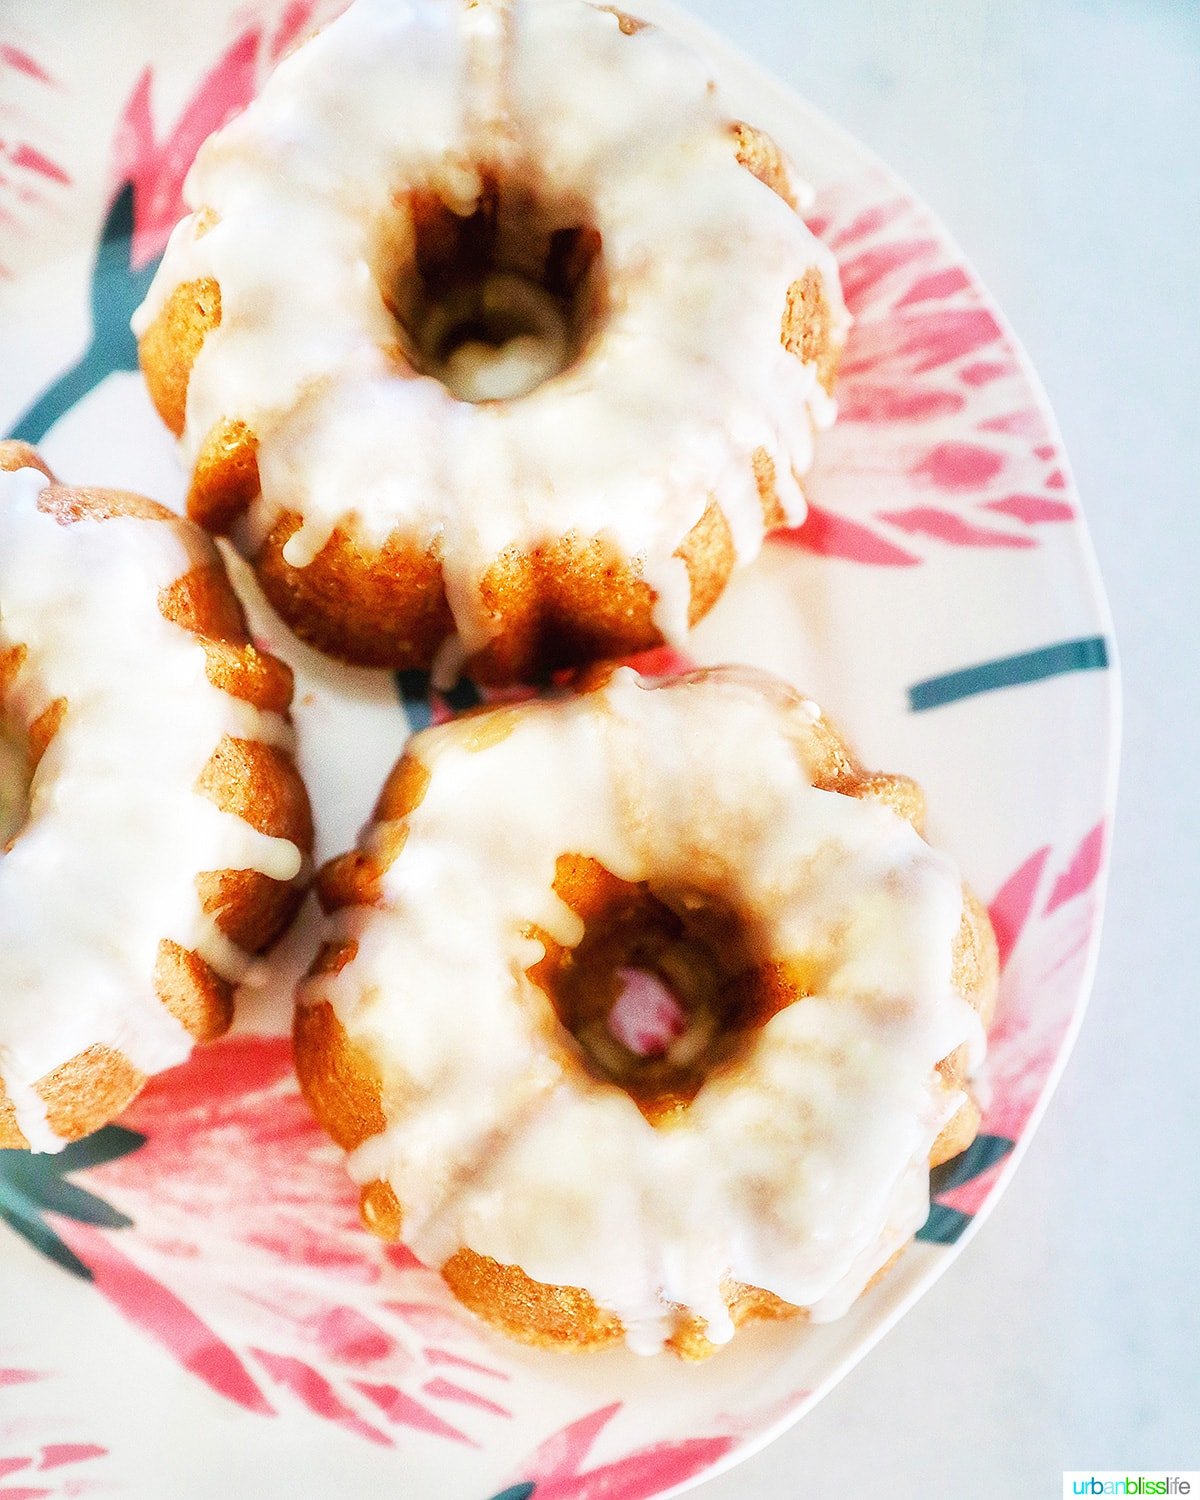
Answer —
(662, 991)
(496, 300)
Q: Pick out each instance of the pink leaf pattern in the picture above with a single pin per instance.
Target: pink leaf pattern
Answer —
(14, 57)
(311, 1388)
(1014, 901)
(643, 1474)
(928, 520)
(157, 165)
(556, 1471)
(1081, 872)
(839, 536)
(165, 1317)
(32, 179)
(22, 155)
(57, 1455)
(938, 440)
(1032, 509)
(448, 1357)
(49, 1466)
(229, 1269)
(1041, 969)
(562, 1453)
(407, 1411)
(448, 1390)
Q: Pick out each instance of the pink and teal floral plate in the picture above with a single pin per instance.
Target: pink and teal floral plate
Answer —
(187, 1303)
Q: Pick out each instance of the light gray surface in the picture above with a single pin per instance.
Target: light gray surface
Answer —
(1060, 141)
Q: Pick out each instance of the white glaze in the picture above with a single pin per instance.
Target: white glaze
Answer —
(105, 865)
(686, 379)
(803, 1173)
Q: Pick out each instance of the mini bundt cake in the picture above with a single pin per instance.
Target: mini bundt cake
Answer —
(155, 828)
(492, 337)
(645, 1012)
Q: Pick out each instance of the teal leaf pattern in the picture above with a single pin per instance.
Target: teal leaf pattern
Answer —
(25, 1218)
(32, 1186)
(117, 290)
(983, 1152)
(109, 1144)
(1087, 655)
(945, 1224)
(421, 701)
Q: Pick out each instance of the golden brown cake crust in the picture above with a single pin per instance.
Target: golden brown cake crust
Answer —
(569, 601)
(759, 154)
(248, 779)
(170, 345)
(343, 1083)
(566, 602)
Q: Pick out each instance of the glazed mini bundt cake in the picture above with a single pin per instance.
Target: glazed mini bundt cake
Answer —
(645, 1012)
(155, 828)
(494, 339)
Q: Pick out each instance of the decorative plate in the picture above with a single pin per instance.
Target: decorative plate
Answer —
(188, 1303)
